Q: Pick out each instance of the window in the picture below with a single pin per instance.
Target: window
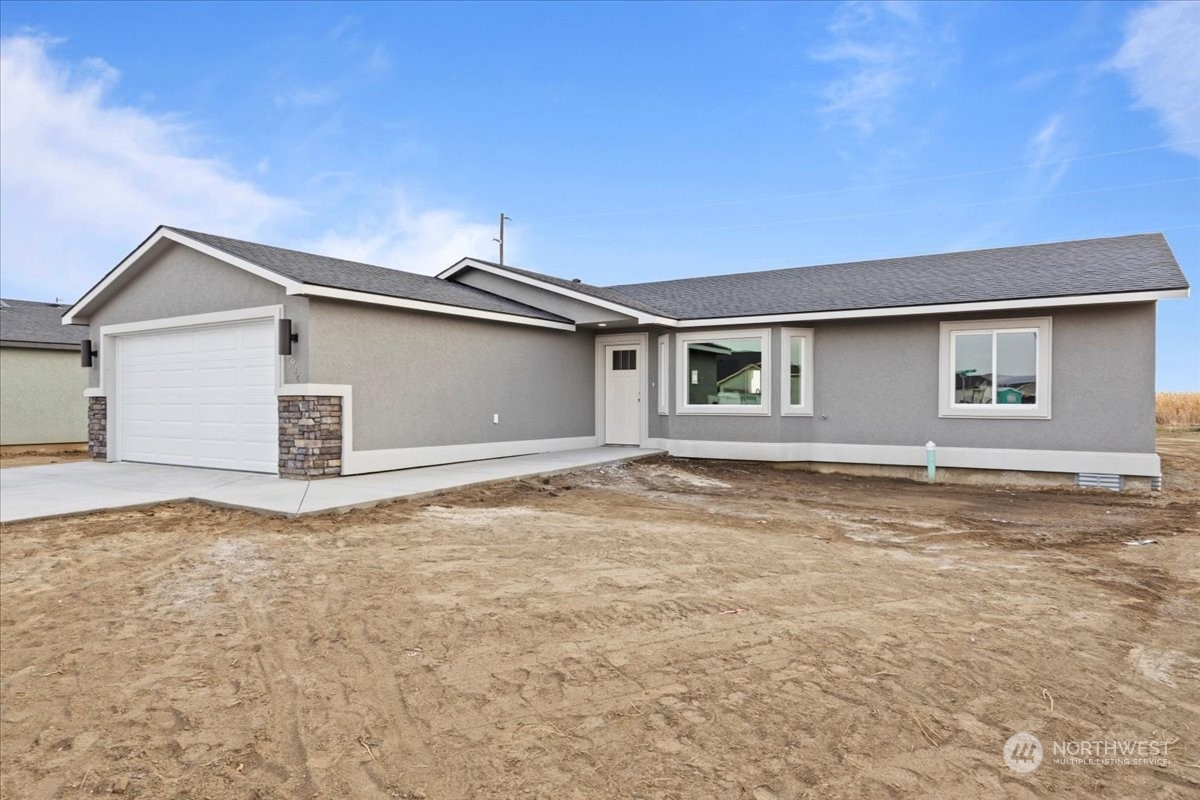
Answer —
(723, 372)
(995, 368)
(664, 374)
(624, 360)
(796, 346)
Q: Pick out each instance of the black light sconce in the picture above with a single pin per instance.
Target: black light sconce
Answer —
(286, 337)
(86, 353)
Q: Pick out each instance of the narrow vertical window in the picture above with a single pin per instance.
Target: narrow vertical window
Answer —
(664, 374)
(796, 361)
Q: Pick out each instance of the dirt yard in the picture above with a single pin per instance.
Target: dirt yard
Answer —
(16, 456)
(663, 630)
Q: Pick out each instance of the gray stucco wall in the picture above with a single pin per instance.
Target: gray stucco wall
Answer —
(180, 281)
(876, 382)
(41, 396)
(423, 380)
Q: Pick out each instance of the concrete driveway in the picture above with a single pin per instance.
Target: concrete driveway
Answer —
(79, 487)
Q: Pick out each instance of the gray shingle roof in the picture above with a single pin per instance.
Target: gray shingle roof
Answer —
(337, 273)
(599, 292)
(32, 322)
(1143, 262)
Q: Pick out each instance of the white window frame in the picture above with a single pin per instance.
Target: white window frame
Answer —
(664, 374)
(786, 407)
(946, 405)
(681, 369)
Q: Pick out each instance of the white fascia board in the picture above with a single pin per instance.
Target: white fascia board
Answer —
(945, 308)
(193, 320)
(641, 316)
(131, 260)
(422, 305)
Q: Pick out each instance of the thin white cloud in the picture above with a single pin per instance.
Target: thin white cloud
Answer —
(413, 240)
(83, 179)
(1047, 155)
(305, 97)
(882, 49)
(1161, 58)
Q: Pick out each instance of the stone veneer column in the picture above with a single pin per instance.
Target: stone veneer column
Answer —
(97, 424)
(310, 437)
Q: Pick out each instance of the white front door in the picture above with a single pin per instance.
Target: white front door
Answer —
(199, 397)
(622, 390)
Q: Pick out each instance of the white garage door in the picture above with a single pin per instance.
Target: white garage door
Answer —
(201, 397)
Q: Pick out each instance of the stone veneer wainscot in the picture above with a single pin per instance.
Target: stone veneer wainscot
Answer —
(97, 423)
(310, 436)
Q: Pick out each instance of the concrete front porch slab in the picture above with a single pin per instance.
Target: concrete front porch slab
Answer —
(80, 487)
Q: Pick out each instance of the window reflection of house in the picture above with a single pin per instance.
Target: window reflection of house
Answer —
(743, 386)
(1010, 389)
(971, 388)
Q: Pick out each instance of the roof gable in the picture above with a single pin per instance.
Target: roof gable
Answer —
(303, 273)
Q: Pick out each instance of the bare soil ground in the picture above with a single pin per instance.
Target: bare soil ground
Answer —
(18, 457)
(667, 629)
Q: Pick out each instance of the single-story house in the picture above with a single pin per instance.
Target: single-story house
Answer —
(216, 352)
(41, 384)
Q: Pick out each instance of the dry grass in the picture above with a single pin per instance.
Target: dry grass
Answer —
(1177, 409)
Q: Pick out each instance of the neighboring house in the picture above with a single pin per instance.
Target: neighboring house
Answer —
(41, 384)
(857, 363)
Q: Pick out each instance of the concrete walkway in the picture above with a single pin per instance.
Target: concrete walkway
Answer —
(79, 487)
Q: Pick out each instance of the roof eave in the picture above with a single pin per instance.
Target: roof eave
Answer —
(370, 298)
(944, 308)
(30, 345)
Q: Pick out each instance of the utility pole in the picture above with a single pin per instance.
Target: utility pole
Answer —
(501, 239)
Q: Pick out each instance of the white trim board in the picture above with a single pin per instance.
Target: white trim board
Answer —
(1143, 464)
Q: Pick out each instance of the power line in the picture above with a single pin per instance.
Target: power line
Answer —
(887, 185)
(951, 206)
(860, 256)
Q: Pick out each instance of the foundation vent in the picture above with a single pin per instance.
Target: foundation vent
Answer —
(1156, 483)
(1099, 480)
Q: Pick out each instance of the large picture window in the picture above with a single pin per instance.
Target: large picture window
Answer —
(796, 346)
(727, 372)
(996, 368)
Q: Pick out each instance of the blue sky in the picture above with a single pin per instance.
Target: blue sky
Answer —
(627, 141)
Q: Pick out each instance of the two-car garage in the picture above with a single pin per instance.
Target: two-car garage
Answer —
(201, 396)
